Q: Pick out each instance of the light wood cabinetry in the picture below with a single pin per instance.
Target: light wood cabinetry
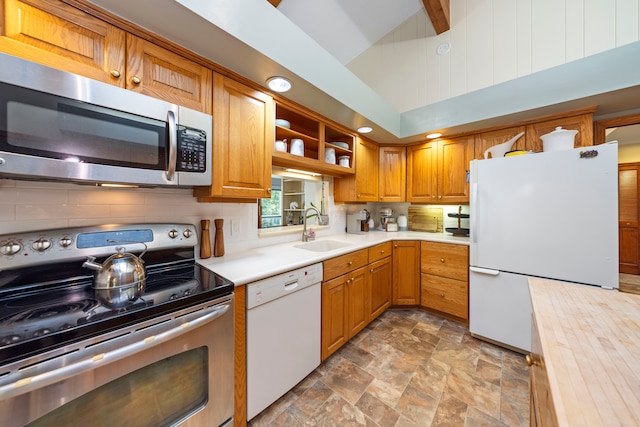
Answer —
(363, 186)
(581, 120)
(406, 272)
(445, 278)
(344, 308)
(629, 217)
(437, 171)
(243, 135)
(542, 410)
(392, 174)
(317, 136)
(380, 278)
(61, 36)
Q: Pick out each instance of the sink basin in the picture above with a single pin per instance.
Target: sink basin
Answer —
(322, 245)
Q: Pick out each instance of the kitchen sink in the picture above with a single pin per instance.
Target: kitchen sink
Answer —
(322, 245)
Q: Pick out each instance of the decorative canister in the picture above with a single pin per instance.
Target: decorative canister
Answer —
(343, 161)
(297, 147)
(559, 139)
(330, 155)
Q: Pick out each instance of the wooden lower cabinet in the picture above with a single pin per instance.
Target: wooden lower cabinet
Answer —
(240, 356)
(629, 217)
(406, 272)
(542, 409)
(380, 286)
(445, 278)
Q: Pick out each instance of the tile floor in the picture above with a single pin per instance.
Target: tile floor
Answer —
(409, 368)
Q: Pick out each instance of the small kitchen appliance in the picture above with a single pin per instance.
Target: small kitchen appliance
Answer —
(356, 220)
(64, 347)
(386, 215)
(552, 215)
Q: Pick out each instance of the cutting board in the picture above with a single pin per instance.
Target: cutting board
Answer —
(421, 218)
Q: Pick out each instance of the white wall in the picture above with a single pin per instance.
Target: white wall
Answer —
(492, 41)
(28, 206)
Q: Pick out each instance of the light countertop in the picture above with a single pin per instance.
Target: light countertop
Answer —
(254, 264)
(590, 339)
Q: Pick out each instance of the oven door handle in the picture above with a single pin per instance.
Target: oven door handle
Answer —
(43, 379)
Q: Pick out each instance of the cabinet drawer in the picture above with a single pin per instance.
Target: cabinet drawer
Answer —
(445, 260)
(445, 295)
(342, 264)
(380, 251)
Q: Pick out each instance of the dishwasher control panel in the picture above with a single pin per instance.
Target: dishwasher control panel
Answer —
(274, 287)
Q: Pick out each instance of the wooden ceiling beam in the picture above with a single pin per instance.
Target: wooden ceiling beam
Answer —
(438, 11)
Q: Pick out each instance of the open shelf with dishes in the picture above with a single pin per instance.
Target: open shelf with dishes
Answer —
(308, 143)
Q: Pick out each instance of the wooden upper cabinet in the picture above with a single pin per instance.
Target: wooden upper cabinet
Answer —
(422, 180)
(63, 37)
(243, 135)
(160, 73)
(583, 123)
(486, 140)
(363, 186)
(437, 171)
(392, 174)
(454, 156)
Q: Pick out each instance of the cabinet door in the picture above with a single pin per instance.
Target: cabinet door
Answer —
(422, 173)
(357, 301)
(63, 37)
(380, 286)
(445, 295)
(454, 156)
(629, 217)
(392, 174)
(334, 315)
(363, 186)
(160, 73)
(406, 272)
(243, 132)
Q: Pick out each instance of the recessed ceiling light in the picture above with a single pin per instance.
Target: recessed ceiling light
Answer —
(434, 135)
(278, 84)
(365, 129)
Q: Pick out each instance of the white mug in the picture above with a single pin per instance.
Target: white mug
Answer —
(330, 155)
(297, 147)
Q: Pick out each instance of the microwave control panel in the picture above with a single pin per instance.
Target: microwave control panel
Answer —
(192, 150)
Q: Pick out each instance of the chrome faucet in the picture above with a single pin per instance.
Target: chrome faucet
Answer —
(305, 235)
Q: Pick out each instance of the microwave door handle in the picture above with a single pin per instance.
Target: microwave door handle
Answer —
(173, 145)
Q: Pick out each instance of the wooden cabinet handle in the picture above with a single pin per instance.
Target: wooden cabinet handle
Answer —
(348, 281)
(269, 190)
(136, 80)
(382, 251)
(442, 260)
(349, 263)
(439, 197)
(395, 246)
(115, 73)
(628, 224)
(441, 294)
(371, 270)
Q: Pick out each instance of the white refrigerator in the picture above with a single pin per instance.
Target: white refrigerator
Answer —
(552, 215)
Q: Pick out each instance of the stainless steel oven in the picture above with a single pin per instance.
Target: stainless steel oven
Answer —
(66, 358)
(60, 126)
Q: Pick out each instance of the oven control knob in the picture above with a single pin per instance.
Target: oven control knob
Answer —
(65, 242)
(187, 233)
(10, 248)
(41, 244)
(173, 233)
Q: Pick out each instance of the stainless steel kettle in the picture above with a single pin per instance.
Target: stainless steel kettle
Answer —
(120, 280)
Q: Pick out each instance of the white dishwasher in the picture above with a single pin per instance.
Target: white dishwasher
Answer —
(283, 334)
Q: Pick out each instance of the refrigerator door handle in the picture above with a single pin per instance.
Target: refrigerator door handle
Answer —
(474, 208)
(486, 271)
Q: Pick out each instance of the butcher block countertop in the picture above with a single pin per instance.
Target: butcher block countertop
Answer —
(590, 340)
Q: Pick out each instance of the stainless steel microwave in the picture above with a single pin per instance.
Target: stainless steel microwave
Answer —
(56, 125)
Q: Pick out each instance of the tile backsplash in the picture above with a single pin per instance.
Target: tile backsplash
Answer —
(35, 205)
